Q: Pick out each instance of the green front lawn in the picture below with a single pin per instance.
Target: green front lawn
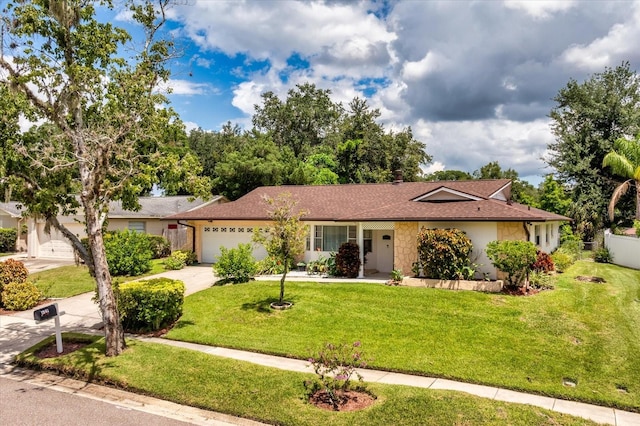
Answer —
(67, 281)
(588, 333)
(276, 396)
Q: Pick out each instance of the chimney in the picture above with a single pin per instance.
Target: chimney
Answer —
(397, 177)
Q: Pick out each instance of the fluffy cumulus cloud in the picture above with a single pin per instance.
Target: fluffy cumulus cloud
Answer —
(475, 80)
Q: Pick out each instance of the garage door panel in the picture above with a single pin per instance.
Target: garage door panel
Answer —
(214, 237)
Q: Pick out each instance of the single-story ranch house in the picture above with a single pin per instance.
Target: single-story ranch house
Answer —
(148, 219)
(383, 219)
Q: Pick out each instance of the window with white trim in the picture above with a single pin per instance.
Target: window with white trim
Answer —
(330, 237)
(137, 225)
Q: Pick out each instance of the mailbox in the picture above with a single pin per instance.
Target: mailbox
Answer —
(48, 312)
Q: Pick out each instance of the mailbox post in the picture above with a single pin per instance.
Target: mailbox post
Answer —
(45, 314)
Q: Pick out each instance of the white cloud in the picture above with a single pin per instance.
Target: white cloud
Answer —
(618, 45)
(340, 39)
(431, 62)
(540, 9)
(185, 87)
(468, 145)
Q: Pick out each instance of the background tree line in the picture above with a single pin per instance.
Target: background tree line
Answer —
(306, 139)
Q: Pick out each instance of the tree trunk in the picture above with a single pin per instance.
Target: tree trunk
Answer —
(113, 332)
(284, 276)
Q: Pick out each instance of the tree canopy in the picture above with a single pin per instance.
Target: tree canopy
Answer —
(586, 121)
(307, 139)
(107, 135)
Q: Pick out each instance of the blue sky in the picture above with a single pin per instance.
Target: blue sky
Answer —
(474, 79)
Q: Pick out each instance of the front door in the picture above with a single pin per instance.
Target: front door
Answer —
(383, 250)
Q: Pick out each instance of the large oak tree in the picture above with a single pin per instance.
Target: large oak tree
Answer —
(107, 135)
(586, 121)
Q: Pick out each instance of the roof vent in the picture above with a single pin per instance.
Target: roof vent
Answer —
(397, 177)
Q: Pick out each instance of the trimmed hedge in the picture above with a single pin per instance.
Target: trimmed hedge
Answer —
(20, 296)
(150, 305)
(8, 238)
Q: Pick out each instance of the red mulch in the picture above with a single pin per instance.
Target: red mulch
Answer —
(51, 350)
(520, 291)
(349, 400)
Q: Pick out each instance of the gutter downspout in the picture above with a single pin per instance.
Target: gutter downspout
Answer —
(193, 242)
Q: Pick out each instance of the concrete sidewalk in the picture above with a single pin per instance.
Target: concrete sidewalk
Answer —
(19, 332)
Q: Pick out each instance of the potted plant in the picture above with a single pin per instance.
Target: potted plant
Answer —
(302, 266)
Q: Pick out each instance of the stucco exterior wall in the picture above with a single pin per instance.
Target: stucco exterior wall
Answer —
(480, 233)
(512, 231)
(405, 247)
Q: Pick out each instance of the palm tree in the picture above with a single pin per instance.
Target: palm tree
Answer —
(624, 161)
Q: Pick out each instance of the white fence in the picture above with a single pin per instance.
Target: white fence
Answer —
(624, 250)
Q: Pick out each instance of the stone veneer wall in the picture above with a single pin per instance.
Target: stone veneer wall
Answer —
(512, 231)
(405, 247)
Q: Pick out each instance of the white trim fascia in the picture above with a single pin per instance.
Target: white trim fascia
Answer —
(500, 191)
(447, 190)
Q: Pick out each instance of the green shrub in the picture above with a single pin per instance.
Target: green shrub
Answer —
(269, 266)
(636, 226)
(348, 260)
(443, 253)
(541, 281)
(602, 255)
(177, 260)
(160, 246)
(150, 305)
(128, 253)
(573, 248)
(562, 260)
(515, 258)
(8, 238)
(236, 264)
(20, 296)
(12, 270)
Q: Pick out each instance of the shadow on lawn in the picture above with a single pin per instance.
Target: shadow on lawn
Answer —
(263, 306)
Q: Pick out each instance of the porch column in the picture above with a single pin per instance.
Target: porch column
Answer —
(361, 248)
(32, 238)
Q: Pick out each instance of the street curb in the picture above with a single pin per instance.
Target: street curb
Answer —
(122, 398)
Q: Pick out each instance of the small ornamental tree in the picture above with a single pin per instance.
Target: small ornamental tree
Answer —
(515, 258)
(443, 253)
(285, 237)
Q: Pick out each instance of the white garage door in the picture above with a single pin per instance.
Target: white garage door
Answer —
(55, 245)
(214, 237)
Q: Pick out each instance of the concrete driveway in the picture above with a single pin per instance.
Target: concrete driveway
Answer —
(39, 264)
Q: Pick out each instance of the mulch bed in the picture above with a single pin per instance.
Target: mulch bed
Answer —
(590, 279)
(349, 400)
(51, 350)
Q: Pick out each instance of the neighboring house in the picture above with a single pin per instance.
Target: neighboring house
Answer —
(148, 219)
(11, 217)
(383, 219)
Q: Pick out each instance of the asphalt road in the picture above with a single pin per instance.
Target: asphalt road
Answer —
(26, 404)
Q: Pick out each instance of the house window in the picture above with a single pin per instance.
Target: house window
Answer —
(367, 240)
(137, 226)
(330, 238)
(537, 234)
(547, 233)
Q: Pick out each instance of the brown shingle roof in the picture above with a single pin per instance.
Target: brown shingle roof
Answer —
(378, 202)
